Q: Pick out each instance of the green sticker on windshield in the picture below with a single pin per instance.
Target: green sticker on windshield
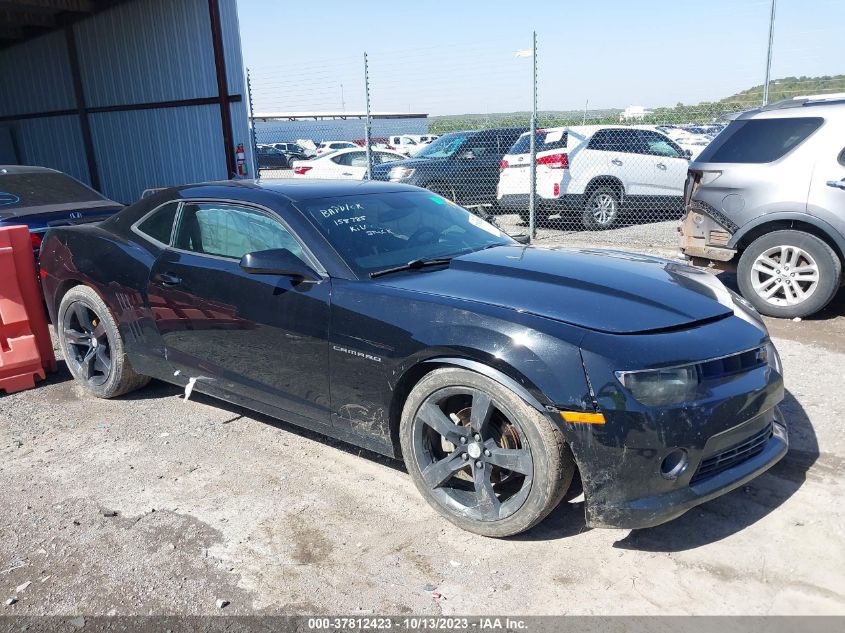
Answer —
(437, 199)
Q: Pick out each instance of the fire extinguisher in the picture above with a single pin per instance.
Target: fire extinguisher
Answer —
(241, 159)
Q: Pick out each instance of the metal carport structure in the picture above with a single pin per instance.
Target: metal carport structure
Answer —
(124, 95)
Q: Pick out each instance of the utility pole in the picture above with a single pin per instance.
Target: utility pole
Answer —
(586, 105)
(342, 100)
(769, 54)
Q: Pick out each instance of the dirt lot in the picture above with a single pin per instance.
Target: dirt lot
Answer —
(154, 505)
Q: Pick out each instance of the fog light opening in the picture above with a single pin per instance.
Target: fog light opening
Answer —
(674, 464)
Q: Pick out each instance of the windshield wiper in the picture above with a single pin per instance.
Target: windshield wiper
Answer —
(414, 264)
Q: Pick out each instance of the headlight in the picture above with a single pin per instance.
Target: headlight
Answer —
(657, 387)
(773, 358)
(400, 173)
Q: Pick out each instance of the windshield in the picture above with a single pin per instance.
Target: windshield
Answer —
(32, 189)
(372, 232)
(444, 147)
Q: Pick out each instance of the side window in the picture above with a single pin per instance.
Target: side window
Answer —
(600, 140)
(159, 225)
(658, 145)
(482, 147)
(383, 157)
(230, 231)
(842, 157)
(357, 159)
(759, 140)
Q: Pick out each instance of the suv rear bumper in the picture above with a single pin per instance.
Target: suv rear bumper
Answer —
(702, 237)
(519, 201)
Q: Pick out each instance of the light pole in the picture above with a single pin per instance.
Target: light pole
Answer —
(769, 54)
(532, 191)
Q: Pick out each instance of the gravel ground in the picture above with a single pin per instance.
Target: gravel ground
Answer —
(151, 504)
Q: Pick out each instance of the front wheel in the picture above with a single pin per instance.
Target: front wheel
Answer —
(601, 211)
(482, 457)
(789, 274)
(92, 345)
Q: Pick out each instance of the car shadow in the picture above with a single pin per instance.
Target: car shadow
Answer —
(160, 389)
(733, 512)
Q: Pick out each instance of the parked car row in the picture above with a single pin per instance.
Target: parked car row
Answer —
(282, 155)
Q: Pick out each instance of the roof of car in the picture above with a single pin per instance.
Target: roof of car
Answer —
(296, 190)
(797, 107)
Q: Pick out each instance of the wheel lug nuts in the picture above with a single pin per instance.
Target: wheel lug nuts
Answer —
(463, 440)
(464, 456)
(479, 465)
(477, 437)
(487, 452)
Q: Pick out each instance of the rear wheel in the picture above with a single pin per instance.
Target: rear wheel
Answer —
(601, 211)
(92, 345)
(480, 455)
(789, 274)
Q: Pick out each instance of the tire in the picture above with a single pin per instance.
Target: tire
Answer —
(456, 479)
(102, 368)
(601, 209)
(813, 267)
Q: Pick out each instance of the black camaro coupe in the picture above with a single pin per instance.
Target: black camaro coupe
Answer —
(386, 316)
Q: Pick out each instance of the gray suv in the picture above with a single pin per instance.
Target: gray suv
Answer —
(767, 198)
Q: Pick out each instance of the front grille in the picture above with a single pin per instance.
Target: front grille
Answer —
(733, 456)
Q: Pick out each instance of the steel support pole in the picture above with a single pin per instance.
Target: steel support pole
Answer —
(368, 122)
(532, 193)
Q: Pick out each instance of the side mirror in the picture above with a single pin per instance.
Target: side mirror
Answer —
(278, 261)
(688, 154)
(468, 155)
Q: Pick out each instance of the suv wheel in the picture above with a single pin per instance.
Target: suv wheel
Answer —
(482, 457)
(601, 209)
(789, 274)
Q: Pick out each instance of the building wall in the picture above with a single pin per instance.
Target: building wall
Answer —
(139, 52)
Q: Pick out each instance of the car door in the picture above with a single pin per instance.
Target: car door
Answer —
(617, 152)
(826, 198)
(260, 336)
(668, 161)
(477, 168)
(348, 166)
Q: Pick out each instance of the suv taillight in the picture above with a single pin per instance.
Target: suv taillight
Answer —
(35, 240)
(503, 165)
(301, 171)
(554, 161)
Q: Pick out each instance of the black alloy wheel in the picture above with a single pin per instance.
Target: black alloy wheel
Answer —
(87, 343)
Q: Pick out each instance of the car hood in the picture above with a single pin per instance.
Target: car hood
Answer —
(606, 291)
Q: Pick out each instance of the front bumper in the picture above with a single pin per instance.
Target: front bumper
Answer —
(653, 510)
(703, 237)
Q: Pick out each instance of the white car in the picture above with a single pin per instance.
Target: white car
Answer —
(342, 164)
(330, 146)
(596, 169)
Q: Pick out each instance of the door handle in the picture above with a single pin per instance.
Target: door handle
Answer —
(346, 173)
(616, 161)
(661, 166)
(168, 279)
(838, 184)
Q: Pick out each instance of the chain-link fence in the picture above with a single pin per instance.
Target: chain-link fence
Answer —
(609, 176)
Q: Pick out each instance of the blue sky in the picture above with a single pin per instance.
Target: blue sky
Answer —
(458, 57)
